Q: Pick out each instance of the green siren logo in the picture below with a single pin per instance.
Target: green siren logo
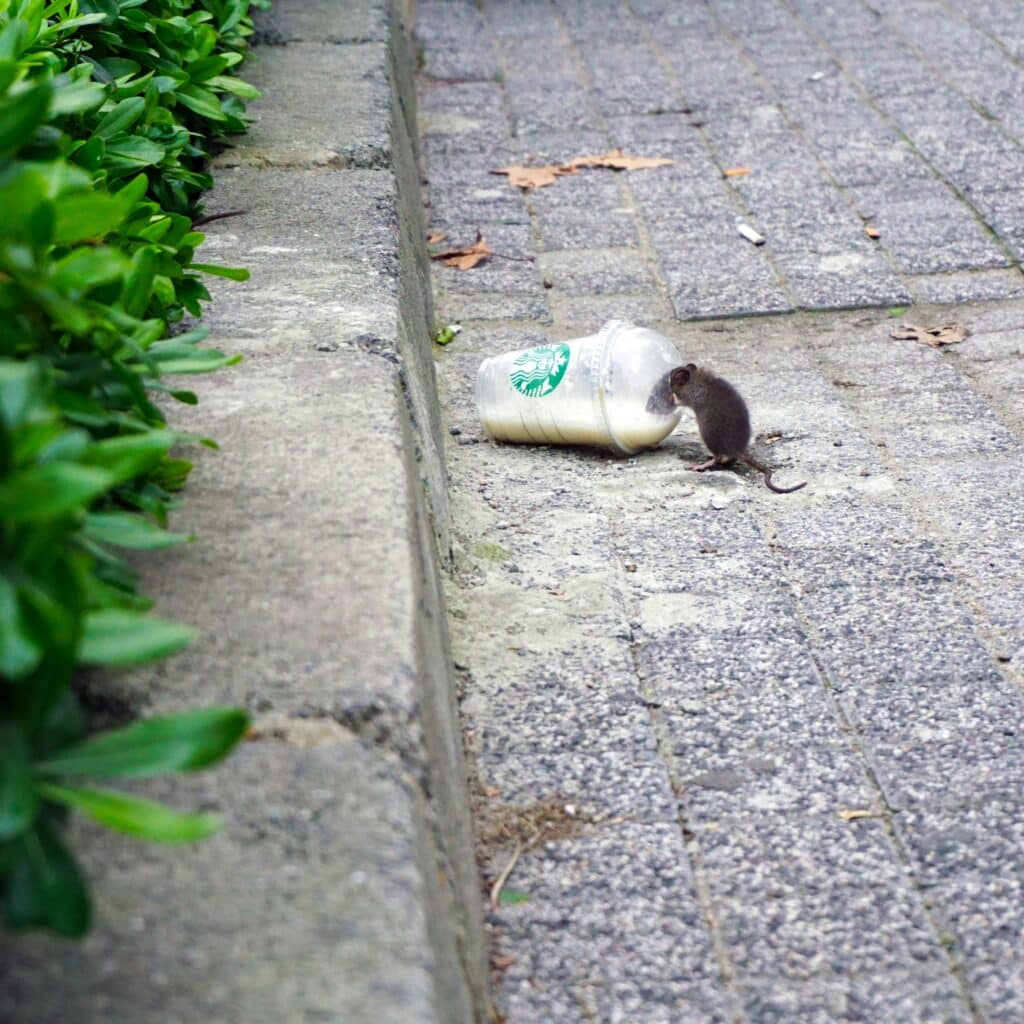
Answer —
(540, 370)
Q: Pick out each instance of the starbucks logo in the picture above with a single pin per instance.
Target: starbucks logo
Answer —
(540, 370)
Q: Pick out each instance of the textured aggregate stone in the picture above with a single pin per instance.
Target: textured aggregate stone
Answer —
(811, 702)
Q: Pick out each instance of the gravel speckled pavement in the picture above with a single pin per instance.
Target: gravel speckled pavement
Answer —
(783, 735)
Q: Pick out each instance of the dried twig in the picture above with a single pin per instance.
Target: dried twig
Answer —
(499, 882)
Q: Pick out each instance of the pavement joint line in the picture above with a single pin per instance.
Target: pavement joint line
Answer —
(712, 916)
(535, 234)
(928, 527)
(894, 123)
(650, 257)
(953, 955)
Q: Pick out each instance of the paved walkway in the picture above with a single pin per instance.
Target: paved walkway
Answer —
(763, 754)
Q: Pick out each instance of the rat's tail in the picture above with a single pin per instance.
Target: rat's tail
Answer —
(762, 468)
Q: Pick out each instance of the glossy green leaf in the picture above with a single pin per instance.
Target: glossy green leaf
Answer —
(138, 285)
(18, 800)
(20, 650)
(130, 456)
(133, 815)
(119, 638)
(42, 493)
(121, 117)
(86, 267)
(130, 530)
(77, 97)
(133, 153)
(233, 273)
(87, 216)
(176, 743)
(21, 113)
(46, 888)
(19, 390)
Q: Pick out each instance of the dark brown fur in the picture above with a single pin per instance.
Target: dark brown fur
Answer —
(722, 418)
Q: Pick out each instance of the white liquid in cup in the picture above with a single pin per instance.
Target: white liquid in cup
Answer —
(594, 391)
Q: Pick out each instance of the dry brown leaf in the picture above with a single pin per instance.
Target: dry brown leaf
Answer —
(934, 337)
(502, 962)
(771, 438)
(557, 591)
(618, 161)
(527, 178)
(630, 566)
(490, 791)
(467, 257)
(436, 236)
(736, 172)
(852, 815)
(871, 231)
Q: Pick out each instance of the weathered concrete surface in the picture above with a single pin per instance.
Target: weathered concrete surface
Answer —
(285, 916)
(778, 739)
(343, 887)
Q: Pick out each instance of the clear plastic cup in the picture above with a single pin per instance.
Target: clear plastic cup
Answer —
(609, 389)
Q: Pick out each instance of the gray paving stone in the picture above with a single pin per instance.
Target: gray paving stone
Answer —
(892, 997)
(597, 271)
(968, 286)
(463, 308)
(651, 961)
(846, 648)
(454, 41)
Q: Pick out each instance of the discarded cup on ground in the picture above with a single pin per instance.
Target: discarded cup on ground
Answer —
(609, 389)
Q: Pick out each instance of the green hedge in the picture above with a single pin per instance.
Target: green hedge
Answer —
(108, 113)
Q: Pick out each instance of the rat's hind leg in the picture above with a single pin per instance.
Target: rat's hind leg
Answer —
(715, 462)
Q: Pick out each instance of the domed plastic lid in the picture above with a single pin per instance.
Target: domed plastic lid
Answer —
(635, 399)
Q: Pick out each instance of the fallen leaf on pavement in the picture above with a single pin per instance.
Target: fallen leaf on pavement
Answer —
(852, 815)
(502, 963)
(467, 257)
(934, 337)
(436, 236)
(527, 178)
(872, 232)
(618, 161)
(736, 172)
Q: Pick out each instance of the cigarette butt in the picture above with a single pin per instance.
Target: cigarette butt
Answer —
(750, 234)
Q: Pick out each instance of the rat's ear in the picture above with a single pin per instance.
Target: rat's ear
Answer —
(680, 375)
(691, 367)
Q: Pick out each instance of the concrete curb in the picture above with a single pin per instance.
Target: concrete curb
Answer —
(343, 886)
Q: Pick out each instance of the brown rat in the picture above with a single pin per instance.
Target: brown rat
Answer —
(722, 418)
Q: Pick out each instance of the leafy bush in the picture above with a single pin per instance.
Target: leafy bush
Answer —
(108, 112)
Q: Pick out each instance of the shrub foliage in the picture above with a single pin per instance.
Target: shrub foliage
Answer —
(109, 110)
